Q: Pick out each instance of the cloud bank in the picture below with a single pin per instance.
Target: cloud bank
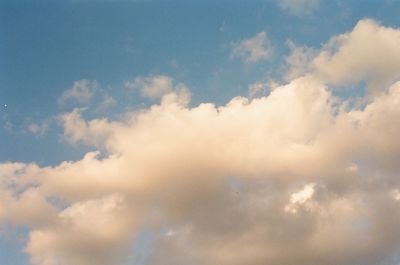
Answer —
(296, 177)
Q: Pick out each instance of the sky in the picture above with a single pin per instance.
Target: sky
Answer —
(144, 132)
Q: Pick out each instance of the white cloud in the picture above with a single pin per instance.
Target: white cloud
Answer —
(152, 87)
(22, 202)
(80, 93)
(317, 182)
(257, 88)
(254, 49)
(300, 197)
(159, 87)
(303, 195)
(167, 166)
(91, 232)
(299, 7)
(352, 57)
(77, 129)
(298, 61)
(261, 88)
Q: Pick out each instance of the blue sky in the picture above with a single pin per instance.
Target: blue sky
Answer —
(48, 46)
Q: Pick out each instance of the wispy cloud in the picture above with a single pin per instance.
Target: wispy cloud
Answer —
(159, 87)
(257, 48)
(261, 88)
(299, 7)
(80, 93)
(39, 128)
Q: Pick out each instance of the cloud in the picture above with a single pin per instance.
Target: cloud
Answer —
(352, 57)
(106, 102)
(254, 49)
(151, 87)
(80, 93)
(160, 86)
(76, 129)
(298, 61)
(261, 88)
(299, 7)
(39, 128)
(91, 232)
(167, 166)
(298, 176)
(22, 202)
(300, 197)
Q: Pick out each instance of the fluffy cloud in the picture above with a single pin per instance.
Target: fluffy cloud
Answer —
(91, 232)
(296, 177)
(23, 202)
(352, 57)
(254, 49)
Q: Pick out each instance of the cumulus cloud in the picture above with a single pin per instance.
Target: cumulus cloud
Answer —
(299, 7)
(352, 57)
(298, 176)
(91, 232)
(254, 49)
(22, 202)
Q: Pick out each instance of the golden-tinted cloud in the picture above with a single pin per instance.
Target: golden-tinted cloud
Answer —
(296, 177)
